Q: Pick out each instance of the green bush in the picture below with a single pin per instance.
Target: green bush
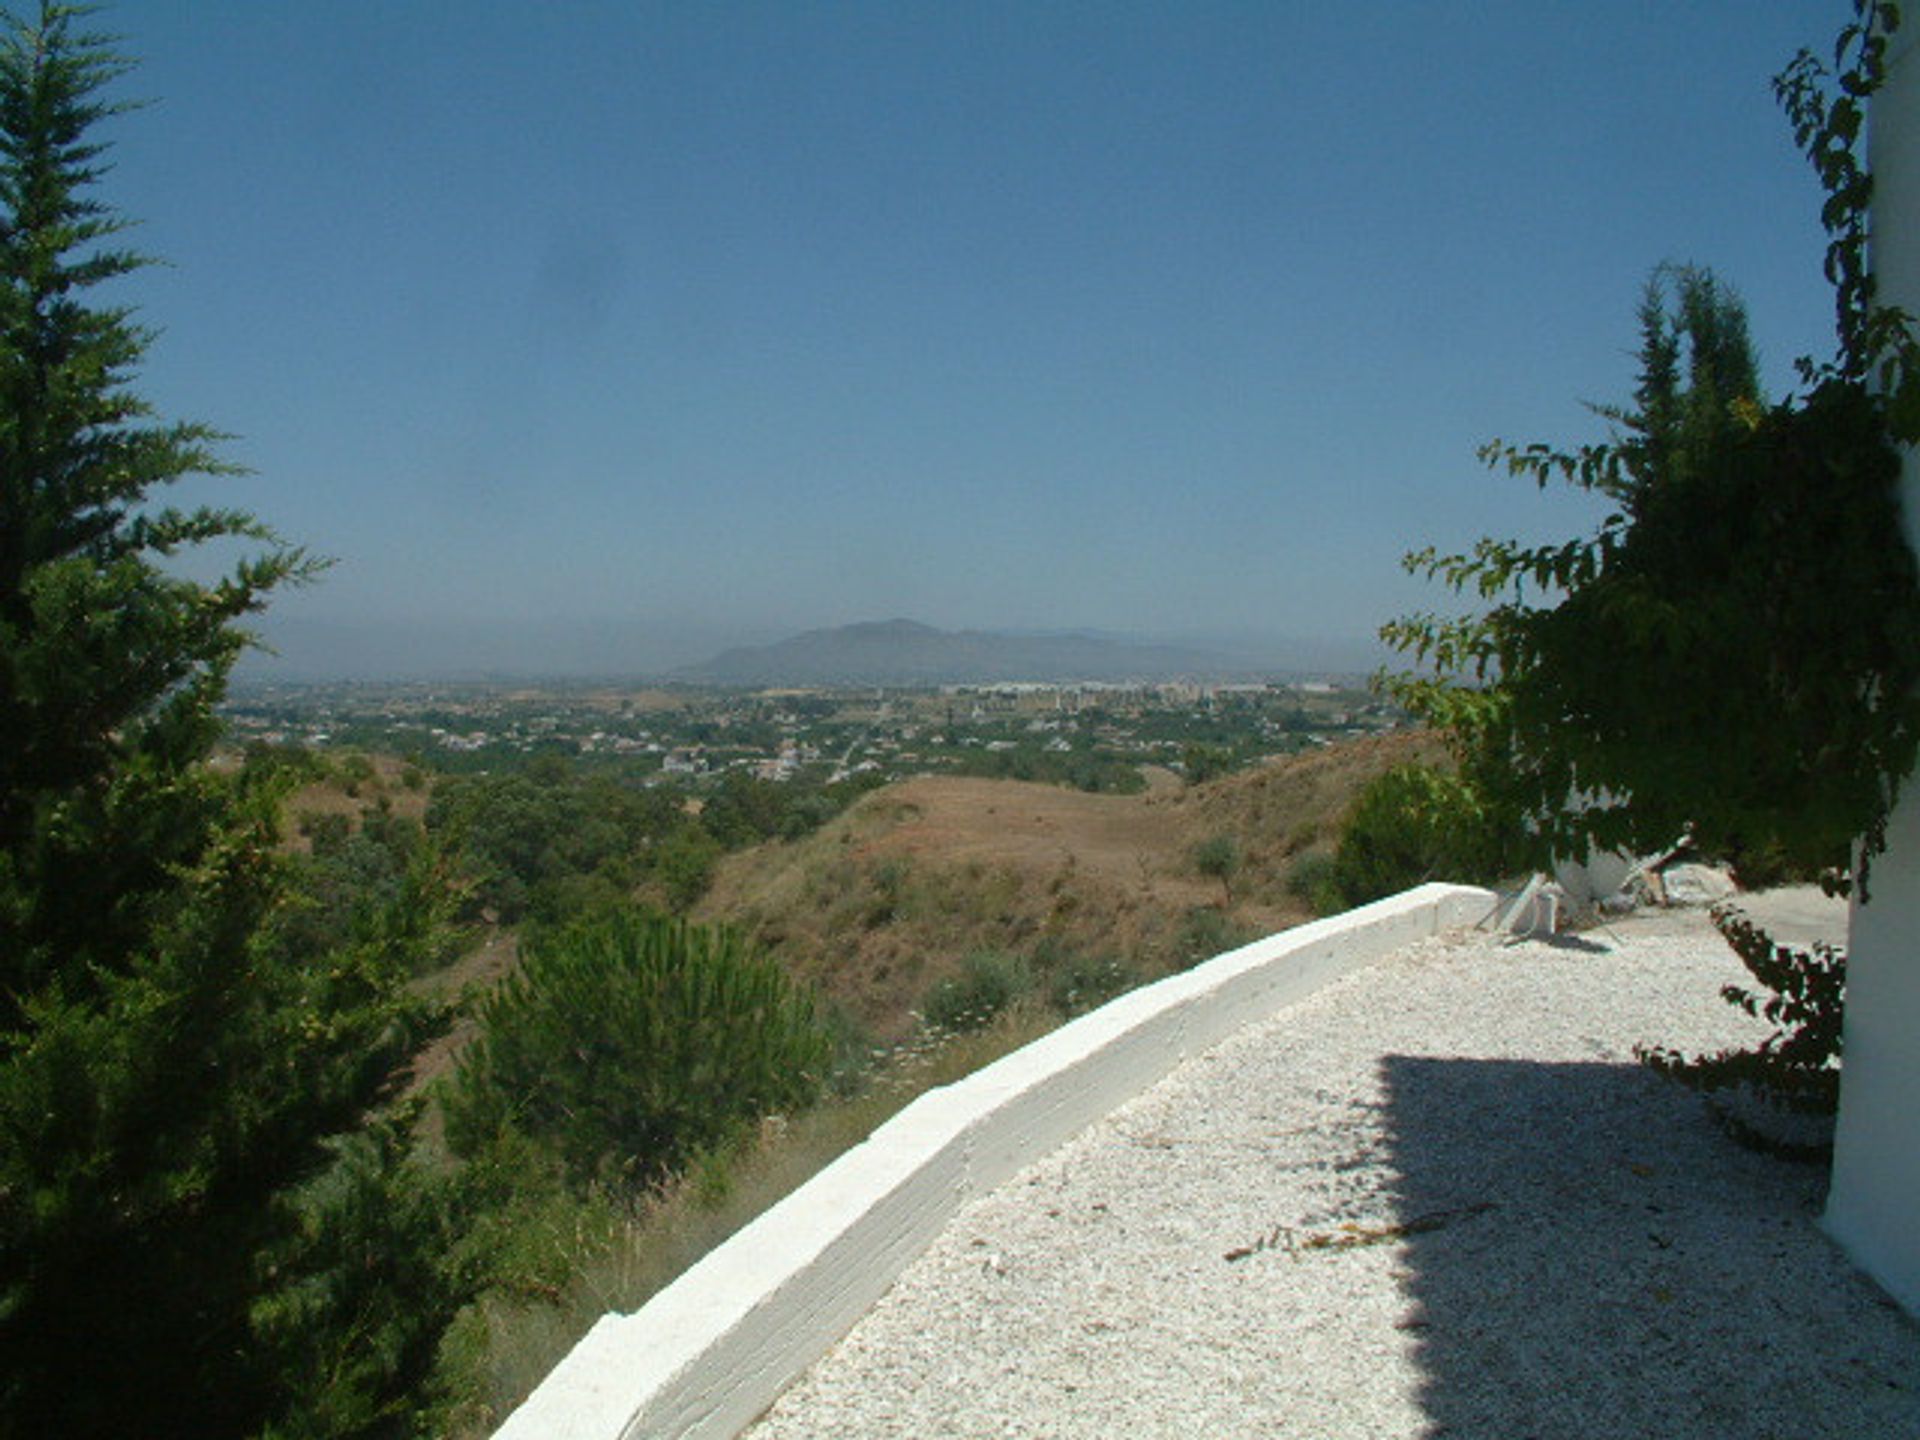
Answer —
(629, 1043)
(1083, 982)
(1205, 932)
(1219, 857)
(988, 983)
(1414, 824)
(522, 836)
(889, 888)
(1202, 763)
(1311, 881)
(683, 866)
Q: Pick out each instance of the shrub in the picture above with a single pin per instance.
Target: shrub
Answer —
(1414, 824)
(988, 983)
(889, 887)
(1219, 857)
(1204, 933)
(1311, 881)
(683, 865)
(382, 1254)
(1796, 1069)
(1202, 763)
(1083, 982)
(630, 1043)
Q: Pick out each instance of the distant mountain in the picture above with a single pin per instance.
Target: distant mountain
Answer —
(905, 652)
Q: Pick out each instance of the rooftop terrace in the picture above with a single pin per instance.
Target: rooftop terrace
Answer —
(1436, 1196)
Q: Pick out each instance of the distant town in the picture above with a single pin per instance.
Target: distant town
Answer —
(1097, 736)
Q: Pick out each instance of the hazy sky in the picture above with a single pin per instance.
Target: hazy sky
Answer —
(616, 331)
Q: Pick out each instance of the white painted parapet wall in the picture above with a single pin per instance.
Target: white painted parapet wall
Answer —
(710, 1352)
(1873, 1209)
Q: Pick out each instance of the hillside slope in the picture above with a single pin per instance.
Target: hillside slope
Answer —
(890, 898)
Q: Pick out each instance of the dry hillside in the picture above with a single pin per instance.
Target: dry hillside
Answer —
(359, 783)
(888, 899)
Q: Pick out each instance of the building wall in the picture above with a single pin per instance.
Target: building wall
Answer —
(1874, 1207)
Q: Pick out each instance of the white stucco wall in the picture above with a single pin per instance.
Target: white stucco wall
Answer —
(711, 1351)
(1874, 1207)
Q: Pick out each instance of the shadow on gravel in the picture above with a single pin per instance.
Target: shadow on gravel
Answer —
(1589, 1256)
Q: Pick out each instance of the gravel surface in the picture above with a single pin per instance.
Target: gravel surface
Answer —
(1438, 1198)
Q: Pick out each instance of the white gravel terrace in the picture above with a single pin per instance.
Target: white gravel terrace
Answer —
(1438, 1198)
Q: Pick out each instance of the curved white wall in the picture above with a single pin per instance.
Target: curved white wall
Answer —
(706, 1355)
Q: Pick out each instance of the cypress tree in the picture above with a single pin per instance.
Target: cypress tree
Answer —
(169, 1076)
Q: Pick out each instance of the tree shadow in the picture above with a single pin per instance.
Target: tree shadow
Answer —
(1589, 1256)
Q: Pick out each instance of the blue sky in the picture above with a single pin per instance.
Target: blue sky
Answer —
(594, 335)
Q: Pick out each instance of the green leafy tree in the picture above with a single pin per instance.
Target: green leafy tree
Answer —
(529, 839)
(1219, 857)
(1734, 650)
(378, 1251)
(683, 866)
(170, 1069)
(1205, 762)
(744, 810)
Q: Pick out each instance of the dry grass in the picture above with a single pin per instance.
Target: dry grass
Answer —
(352, 795)
(888, 900)
(1293, 808)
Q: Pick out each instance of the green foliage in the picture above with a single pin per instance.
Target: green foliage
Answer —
(544, 840)
(150, 1127)
(683, 866)
(381, 1251)
(627, 1044)
(1737, 647)
(355, 770)
(1413, 824)
(988, 984)
(172, 1060)
(112, 664)
(1876, 342)
(1201, 763)
(1206, 931)
(890, 879)
(296, 761)
(743, 810)
(523, 836)
(1219, 857)
(1312, 880)
(1735, 650)
(384, 885)
(1795, 1069)
(1085, 982)
(1098, 772)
